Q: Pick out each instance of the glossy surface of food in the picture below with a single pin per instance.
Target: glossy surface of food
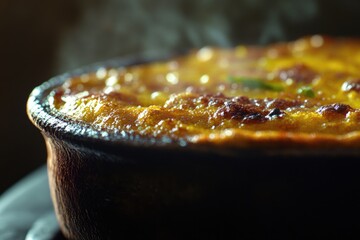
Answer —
(303, 92)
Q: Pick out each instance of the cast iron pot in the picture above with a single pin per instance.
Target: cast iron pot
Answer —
(117, 186)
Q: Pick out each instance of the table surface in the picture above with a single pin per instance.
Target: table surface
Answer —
(26, 211)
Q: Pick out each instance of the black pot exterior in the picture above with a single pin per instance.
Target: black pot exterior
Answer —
(104, 195)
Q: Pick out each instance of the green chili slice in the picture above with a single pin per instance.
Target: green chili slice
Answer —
(256, 83)
(306, 91)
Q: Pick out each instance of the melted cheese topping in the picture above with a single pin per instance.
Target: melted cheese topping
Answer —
(307, 91)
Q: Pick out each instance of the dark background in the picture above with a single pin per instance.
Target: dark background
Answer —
(41, 38)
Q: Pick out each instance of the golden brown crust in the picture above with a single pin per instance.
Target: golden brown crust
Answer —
(299, 93)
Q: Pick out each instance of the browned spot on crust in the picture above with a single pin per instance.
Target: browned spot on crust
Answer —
(57, 95)
(213, 99)
(241, 108)
(352, 85)
(242, 112)
(275, 113)
(193, 100)
(248, 111)
(335, 110)
(299, 73)
(283, 104)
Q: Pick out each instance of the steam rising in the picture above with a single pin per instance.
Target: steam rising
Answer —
(114, 28)
(285, 10)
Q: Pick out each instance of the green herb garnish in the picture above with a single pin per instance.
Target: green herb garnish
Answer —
(256, 83)
(306, 91)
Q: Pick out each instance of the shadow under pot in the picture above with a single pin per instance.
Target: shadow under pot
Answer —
(107, 186)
